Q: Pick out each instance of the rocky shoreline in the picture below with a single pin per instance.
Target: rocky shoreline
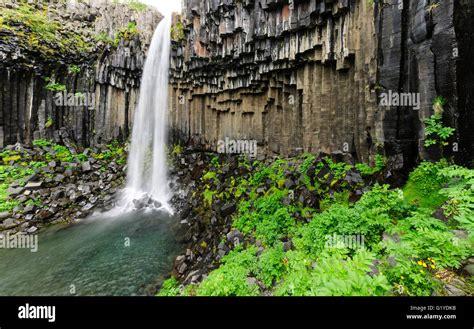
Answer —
(50, 183)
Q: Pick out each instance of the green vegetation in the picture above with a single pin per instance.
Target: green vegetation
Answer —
(402, 250)
(136, 5)
(104, 38)
(125, 33)
(114, 150)
(177, 150)
(177, 32)
(49, 123)
(334, 274)
(133, 4)
(54, 86)
(231, 278)
(73, 69)
(422, 189)
(5, 203)
(266, 217)
(436, 133)
(19, 164)
(367, 170)
(170, 288)
(9, 174)
(38, 33)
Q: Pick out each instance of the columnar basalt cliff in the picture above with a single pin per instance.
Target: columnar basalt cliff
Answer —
(308, 75)
(88, 82)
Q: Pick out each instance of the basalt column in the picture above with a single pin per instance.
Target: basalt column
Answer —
(308, 75)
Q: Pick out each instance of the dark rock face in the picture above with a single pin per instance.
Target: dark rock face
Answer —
(419, 53)
(309, 75)
(106, 88)
(464, 29)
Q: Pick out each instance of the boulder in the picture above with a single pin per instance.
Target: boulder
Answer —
(227, 210)
(30, 208)
(4, 215)
(32, 229)
(33, 186)
(44, 214)
(15, 191)
(86, 166)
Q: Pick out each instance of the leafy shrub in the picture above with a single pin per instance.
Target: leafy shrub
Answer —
(104, 37)
(424, 185)
(82, 157)
(460, 195)
(209, 175)
(334, 274)
(410, 279)
(9, 173)
(73, 69)
(266, 217)
(114, 150)
(370, 217)
(62, 153)
(339, 219)
(177, 150)
(423, 238)
(54, 86)
(10, 158)
(49, 123)
(42, 143)
(367, 170)
(177, 32)
(230, 279)
(38, 164)
(270, 265)
(436, 133)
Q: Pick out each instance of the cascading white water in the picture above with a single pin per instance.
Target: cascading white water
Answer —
(147, 169)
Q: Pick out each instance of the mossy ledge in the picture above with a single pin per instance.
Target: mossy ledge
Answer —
(94, 49)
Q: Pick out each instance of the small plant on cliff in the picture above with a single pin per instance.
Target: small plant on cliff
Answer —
(436, 133)
(177, 32)
(132, 4)
(177, 150)
(125, 33)
(41, 143)
(49, 123)
(104, 38)
(136, 5)
(73, 69)
(56, 87)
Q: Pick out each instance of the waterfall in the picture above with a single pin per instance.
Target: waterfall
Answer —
(147, 184)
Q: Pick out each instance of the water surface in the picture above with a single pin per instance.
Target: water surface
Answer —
(123, 255)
